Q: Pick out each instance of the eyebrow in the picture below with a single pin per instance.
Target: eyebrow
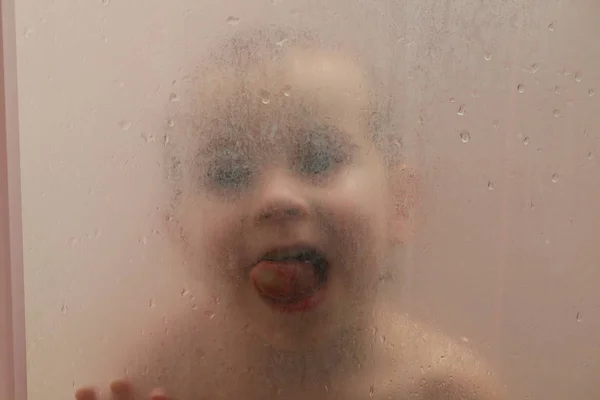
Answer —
(330, 134)
(219, 143)
(333, 135)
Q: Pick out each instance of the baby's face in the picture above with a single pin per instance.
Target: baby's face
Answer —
(287, 209)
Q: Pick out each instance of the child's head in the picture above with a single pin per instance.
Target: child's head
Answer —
(288, 175)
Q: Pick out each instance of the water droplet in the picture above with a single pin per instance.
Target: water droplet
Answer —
(578, 317)
(557, 113)
(452, 100)
(265, 97)
(496, 124)
(185, 292)
(462, 110)
(465, 339)
(465, 136)
(173, 97)
(491, 185)
(383, 339)
(209, 314)
(194, 306)
(144, 240)
(371, 390)
(148, 137)
(151, 304)
(552, 26)
(64, 309)
(27, 33)
(487, 56)
(534, 68)
(170, 123)
(590, 155)
(233, 20)
(125, 125)
(555, 178)
(557, 89)
(287, 91)
(591, 92)
(475, 94)
(105, 2)
(526, 141)
(521, 88)
(578, 77)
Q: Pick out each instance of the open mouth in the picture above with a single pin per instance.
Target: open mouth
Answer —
(291, 279)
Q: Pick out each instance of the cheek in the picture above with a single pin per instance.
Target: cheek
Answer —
(361, 200)
(359, 207)
(209, 232)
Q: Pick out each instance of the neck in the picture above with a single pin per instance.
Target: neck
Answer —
(328, 367)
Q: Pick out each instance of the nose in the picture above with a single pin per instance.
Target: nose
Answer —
(281, 197)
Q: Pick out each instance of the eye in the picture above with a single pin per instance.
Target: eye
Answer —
(230, 176)
(318, 155)
(229, 173)
(318, 160)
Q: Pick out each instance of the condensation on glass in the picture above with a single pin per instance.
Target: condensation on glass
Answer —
(323, 199)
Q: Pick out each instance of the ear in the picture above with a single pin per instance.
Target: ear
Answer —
(404, 185)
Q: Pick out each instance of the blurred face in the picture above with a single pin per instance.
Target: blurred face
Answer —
(287, 210)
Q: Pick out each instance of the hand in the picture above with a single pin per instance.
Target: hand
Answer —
(119, 390)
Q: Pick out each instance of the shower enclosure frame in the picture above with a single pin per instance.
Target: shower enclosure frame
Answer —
(13, 383)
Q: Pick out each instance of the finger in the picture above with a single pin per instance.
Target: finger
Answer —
(158, 394)
(121, 389)
(86, 393)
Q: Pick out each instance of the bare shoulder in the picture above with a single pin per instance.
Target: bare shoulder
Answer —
(184, 356)
(437, 366)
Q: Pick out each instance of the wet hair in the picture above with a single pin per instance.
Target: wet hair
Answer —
(250, 48)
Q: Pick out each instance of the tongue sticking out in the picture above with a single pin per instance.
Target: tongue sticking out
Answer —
(285, 281)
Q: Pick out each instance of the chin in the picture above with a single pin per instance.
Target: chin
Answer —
(301, 333)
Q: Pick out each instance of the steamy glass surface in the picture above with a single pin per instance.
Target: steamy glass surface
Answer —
(344, 199)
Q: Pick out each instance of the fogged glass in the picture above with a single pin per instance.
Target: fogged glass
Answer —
(346, 199)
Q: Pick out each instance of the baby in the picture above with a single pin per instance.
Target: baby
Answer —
(291, 202)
